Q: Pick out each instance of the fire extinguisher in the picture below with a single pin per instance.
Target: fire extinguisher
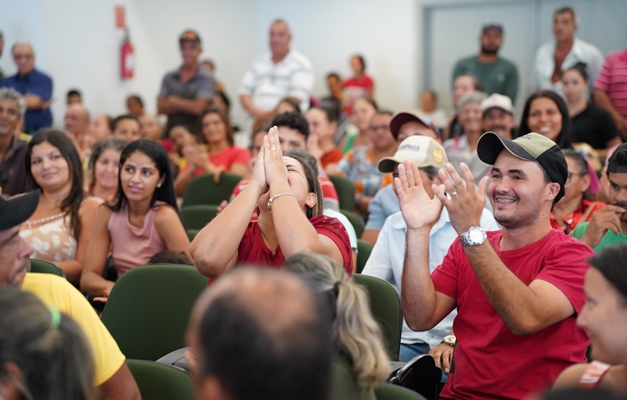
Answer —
(127, 58)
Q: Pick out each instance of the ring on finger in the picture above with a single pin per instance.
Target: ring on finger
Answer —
(453, 193)
(273, 148)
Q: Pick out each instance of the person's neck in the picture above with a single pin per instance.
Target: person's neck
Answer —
(278, 57)
(268, 232)
(191, 67)
(54, 197)
(380, 152)
(103, 192)
(563, 209)
(566, 43)
(485, 58)
(23, 74)
(473, 139)
(138, 209)
(577, 106)
(359, 75)
(216, 148)
(326, 144)
(520, 237)
(5, 143)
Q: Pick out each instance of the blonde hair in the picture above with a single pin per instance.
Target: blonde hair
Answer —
(355, 332)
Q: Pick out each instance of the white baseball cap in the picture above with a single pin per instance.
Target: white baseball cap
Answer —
(421, 150)
(498, 101)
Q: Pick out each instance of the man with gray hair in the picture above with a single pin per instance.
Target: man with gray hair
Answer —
(12, 149)
(35, 86)
(556, 56)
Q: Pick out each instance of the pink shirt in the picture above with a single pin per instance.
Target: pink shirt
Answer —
(133, 246)
(613, 80)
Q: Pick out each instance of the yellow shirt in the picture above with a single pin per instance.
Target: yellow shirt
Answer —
(57, 292)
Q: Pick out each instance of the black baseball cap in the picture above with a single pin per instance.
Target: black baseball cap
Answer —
(402, 117)
(492, 25)
(17, 209)
(530, 147)
(189, 36)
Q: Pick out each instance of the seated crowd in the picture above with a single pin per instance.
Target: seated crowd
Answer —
(502, 236)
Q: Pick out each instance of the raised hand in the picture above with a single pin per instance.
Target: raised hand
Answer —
(419, 210)
(273, 157)
(603, 220)
(259, 172)
(464, 203)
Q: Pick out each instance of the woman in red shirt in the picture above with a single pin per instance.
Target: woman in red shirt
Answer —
(360, 85)
(287, 193)
(218, 153)
(576, 206)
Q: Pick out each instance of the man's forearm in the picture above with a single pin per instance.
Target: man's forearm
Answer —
(247, 103)
(518, 306)
(602, 99)
(188, 106)
(417, 291)
(34, 102)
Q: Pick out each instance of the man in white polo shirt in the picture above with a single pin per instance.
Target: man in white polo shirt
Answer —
(284, 72)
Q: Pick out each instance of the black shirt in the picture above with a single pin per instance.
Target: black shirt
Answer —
(13, 168)
(594, 126)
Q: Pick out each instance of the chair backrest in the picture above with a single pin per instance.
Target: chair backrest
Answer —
(45, 267)
(420, 375)
(345, 192)
(149, 307)
(158, 381)
(385, 306)
(363, 253)
(356, 220)
(191, 233)
(203, 190)
(198, 215)
(387, 391)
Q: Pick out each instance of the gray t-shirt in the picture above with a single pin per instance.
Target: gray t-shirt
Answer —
(201, 86)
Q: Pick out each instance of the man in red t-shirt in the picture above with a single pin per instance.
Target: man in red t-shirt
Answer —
(517, 291)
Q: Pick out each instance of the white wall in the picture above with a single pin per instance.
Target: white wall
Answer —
(77, 43)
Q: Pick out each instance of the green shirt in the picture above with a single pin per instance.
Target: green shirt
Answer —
(610, 238)
(500, 76)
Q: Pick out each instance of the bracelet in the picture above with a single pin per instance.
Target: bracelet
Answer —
(274, 198)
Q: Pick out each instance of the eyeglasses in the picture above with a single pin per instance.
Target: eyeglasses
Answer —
(377, 127)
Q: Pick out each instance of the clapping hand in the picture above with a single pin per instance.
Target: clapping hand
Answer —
(419, 210)
(464, 203)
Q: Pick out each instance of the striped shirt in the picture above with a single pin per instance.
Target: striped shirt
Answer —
(267, 83)
(613, 80)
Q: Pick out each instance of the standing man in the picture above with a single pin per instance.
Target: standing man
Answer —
(609, 227)
(188, 90)
(610, 89)
(498, 115)
(35, 86)
(76, 123)
(497, 74)
(555, 57)
(284, 72)
(12, 149)
(517, 291)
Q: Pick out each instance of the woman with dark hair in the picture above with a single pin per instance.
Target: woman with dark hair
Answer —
(322, 126)
(286, 192)
(140, 222)
(357, 86)
(362, 112)
(59, 228)
(217, 154)
(591, 124)
(577, 205)
(358, 341)
(604, 317)
(43, 353)
(545, 113)
(104, 165)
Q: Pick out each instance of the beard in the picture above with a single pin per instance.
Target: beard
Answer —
(491, 51)
(516, 218)
(623, 216)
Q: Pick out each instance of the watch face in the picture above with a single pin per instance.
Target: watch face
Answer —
(475, 235)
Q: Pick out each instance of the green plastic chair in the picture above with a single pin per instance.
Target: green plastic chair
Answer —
(199, 215)
(385, 306)
(345, 192)
(148, 309)
(191, 233)
(356, 220)
(387, 391)
(203, 190)
(363, 253)
(161, 382)
(45, 267)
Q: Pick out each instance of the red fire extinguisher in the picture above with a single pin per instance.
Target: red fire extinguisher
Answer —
(127, 58)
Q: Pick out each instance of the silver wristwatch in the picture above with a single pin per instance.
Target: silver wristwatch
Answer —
(474, 236)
